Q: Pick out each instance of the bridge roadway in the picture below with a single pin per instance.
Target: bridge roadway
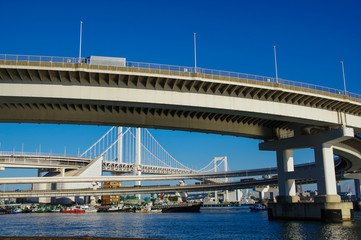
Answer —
(147, 189)
(138, 190)
(38, 161)
(51, 90)
(339, 167)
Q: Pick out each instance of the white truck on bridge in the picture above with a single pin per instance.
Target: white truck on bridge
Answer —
(108, 61)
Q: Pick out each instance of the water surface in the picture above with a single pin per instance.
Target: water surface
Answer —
(210, 223)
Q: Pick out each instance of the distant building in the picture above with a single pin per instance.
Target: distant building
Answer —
(111, 199)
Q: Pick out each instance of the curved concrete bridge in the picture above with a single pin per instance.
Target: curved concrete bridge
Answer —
(257, 107)
(287, 115)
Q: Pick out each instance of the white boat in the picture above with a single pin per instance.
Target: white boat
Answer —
(117, 208)
(210, 201)
(88, 209)
(258, 207)
(156, 210)
(56, 210)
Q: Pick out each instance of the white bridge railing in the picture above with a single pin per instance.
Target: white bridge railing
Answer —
(41, 154)
(164, 67)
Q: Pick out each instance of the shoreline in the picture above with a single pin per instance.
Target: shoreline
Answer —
(70, 238)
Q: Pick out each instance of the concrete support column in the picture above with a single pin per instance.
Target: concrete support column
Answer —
(261, 196)
(339, 188)
(42, 186)
(138, 157)
(357, 188)
(226, 196)
(287, 187)
(326, 178)
(272, 196)
(120, 145)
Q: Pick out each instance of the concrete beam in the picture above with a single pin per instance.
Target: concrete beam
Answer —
(309, 141)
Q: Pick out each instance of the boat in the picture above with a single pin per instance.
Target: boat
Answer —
(180, 207)
(88, 209)
(156, 210)
(117, 208)
(57, 210)
(3, 211)
(15, 211)
(74, 210)
(258, 207)
(207, 201)
(39, 210)
(27, 210)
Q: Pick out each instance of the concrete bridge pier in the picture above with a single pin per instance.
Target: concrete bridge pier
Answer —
(357, 205)
(327, 205)
(357, 188)
(357, 179)
(267, 189)
(286, 185)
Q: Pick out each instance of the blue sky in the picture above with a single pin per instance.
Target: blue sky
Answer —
(312, 37)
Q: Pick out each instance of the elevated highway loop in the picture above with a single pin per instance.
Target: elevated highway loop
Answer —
(147, 189)
(339, 164)
(350, 151)
(138, 190)
(168, 97)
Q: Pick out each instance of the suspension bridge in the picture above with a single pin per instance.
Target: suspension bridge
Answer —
(123, 150)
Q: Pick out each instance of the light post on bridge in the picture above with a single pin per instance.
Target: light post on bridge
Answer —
(195, 51)
(81, 31)
(343, 74)
(275, 55)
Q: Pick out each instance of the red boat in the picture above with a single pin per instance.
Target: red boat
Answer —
(74, 211)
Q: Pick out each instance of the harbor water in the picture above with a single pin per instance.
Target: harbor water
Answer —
(210, 223)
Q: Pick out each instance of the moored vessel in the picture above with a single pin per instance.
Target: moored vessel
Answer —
(180, 207)
(3, 211)
(258, 207)
(74, 210)
(15, 211)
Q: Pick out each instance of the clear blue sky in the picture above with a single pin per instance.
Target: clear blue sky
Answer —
(312, 37)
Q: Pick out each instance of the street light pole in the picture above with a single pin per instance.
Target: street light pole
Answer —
(343, 74)
(81, 30)
(275, 54)
(195, 52)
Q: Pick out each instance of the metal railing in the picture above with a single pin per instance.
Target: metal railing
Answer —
(43, 155)
(182, 69)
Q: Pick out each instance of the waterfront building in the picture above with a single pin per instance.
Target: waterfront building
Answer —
(111, 199)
